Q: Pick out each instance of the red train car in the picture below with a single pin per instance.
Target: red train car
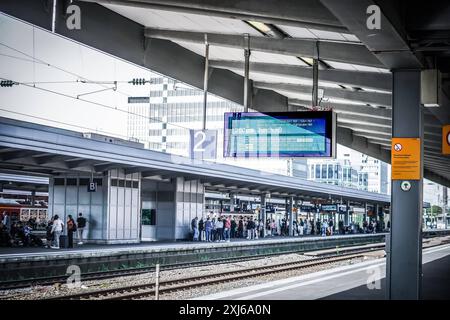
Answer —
(22, 212)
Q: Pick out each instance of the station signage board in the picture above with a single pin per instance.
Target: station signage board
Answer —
(92, 187)
(329, 207)
(203, 144)
(446, 139)
(406, 158)
(280, 134)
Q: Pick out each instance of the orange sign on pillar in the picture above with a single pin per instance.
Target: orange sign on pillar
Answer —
(405, 159)
(446, 139)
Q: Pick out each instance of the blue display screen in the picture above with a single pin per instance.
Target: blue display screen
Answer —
(281, 134)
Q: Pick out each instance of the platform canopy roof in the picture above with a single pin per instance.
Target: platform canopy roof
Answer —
(27, 148)
(167, 36)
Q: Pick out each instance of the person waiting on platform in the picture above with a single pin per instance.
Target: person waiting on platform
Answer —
(71, 228)
(331, 226)
(250, 229)
(233, 228)
(219, 229)
(273, 228)
(49, 234)
(261, 229)
(208, 229)
(341, 227)
(226, 229)
(201, 230)
(5, 238)
(57, 229)
(318, 227)
(194, 227)
(240, 228)
(81, 224)
(324, 228)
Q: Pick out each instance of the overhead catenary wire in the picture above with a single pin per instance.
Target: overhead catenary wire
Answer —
(55, 67)
(84, 80)
(93, 102)
(80, 79)
(5, 109)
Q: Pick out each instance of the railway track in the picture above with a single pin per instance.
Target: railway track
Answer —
(51, 280)
(147, 290)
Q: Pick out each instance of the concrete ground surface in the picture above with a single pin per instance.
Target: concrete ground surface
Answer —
(348, 282)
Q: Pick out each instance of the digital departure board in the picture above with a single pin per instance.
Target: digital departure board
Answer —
(280, 134)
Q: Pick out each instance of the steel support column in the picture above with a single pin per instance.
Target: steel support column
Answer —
(404, 260)
(291, 216)
(445, 207)
(346, 222)
(263, 212)
(205, 81)
(246, 72)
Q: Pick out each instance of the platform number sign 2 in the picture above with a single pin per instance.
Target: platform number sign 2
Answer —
(203, 144)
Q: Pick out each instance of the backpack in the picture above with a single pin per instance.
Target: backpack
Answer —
(81, 222)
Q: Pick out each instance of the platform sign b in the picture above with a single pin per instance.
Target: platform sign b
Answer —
(203, 144)
(92, 187)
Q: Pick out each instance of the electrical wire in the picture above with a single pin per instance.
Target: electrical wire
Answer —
(2, 108)
(94, 103)
(56, 67)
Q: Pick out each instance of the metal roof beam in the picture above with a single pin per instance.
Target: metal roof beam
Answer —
(388, 43)
(363, 79)
(346, 137)
(366, 128)
(17, 154)
(360, 119)
(368, 97)
(306, 13)
(329, 50)
(347, 108)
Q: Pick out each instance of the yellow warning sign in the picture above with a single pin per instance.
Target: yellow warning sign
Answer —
(405, 159)
(446, 139)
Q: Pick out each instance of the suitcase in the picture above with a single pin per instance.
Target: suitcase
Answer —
(63, 241)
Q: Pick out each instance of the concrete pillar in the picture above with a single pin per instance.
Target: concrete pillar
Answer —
(404, 263)
(123, 203)
(188, 205)
(112, 211)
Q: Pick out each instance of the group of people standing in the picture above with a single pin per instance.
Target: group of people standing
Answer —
(55, 228)
(224, 228)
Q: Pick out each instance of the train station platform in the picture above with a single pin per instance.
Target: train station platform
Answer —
(33, 262)
(348, 282)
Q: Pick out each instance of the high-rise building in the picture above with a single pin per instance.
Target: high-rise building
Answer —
(351, 169)
(377, 174)
(338, 172)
